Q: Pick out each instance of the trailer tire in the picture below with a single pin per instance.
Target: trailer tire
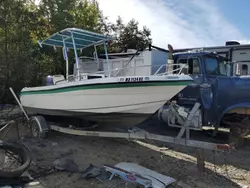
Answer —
(38, 127)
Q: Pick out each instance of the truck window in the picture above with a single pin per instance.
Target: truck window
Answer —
(215, 66)
(228, 69)
(196, 66)
(244, 69)
(212, 66)
(192, 65)
(223, 68)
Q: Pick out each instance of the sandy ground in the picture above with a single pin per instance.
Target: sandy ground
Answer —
(222, 170)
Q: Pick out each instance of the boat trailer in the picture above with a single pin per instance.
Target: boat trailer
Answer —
(40, 127)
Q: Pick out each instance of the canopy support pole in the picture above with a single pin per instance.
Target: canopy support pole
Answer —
(107, 58)
(66, 58)
(97, 59)
(76, 57)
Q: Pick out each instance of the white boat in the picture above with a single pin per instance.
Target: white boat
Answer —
(99, 97)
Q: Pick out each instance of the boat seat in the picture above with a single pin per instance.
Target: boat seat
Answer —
(57, 79)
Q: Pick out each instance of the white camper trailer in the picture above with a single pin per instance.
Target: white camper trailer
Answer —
(235, 52)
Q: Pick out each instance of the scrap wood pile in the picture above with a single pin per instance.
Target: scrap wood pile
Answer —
(119, 175)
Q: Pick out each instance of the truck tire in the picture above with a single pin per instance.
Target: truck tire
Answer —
(24, 154)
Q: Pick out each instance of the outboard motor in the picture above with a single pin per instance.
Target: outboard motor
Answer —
(49, 80)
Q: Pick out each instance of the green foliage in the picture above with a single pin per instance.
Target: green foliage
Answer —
(23, 63)
(129, 36)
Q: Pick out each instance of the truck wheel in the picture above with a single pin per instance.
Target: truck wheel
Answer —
(236, 140)
(38, 127)
(20, 153)
(238, 132)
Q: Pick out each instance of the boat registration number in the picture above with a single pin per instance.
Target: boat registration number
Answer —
(134, 79)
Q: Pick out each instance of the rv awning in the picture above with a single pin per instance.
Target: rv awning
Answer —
(82, 38)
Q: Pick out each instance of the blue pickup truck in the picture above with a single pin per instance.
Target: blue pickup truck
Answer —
(224, 98)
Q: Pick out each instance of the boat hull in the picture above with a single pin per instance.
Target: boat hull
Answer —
(109, 103)
(110, 119)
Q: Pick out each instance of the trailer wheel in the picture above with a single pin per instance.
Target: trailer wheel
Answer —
(38, 127)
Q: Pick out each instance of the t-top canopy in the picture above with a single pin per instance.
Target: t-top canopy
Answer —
(82, 38)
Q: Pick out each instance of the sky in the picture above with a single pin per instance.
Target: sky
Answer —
(185, 23)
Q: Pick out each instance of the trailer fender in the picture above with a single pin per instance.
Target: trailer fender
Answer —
(38, 127)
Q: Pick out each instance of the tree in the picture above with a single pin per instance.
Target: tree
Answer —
(15, 20)
(129, 36)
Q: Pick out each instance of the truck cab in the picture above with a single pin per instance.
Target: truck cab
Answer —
(213, 86)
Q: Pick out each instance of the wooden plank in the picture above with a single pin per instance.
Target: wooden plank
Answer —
(200, 160)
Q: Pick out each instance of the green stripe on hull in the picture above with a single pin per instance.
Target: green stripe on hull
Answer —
(107, 86)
